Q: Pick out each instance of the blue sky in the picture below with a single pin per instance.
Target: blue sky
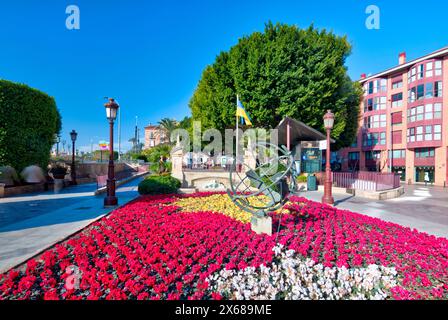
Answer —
(150, 54)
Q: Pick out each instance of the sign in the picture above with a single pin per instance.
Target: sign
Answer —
(323, 145)
(103, 145)
(311, 160)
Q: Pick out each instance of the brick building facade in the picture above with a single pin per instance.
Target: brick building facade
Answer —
(404, 121)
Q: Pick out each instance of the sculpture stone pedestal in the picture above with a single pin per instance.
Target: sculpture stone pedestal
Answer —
(2, 190)
(58, 185)
(261, 225)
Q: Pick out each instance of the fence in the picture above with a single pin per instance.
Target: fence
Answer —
(366, 181)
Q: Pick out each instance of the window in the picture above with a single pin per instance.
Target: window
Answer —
(429, 90)
(370, 89)
(428, 133)
(411, 135)
(419, 134)
(420, 92)
(380, 103)
(397, 100)
(429, 69)
(412, 75)
(377, 86)
(421, 72)
(428, 112)
(376, 121)
(374, 139)
(397, 154)
(437, 132)
(425, 153)
(412, 94)
(373, 155)
(354, 144)
(368, 105)
(425, 133)
(437, 111)
(397, 84)
(353, 156)
(377, 103)
(438, 68)
(438, 89)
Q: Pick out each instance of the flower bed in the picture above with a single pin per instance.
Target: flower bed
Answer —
(154, 249)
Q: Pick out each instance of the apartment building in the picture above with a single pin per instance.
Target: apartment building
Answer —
(403, 126)
(154, 136)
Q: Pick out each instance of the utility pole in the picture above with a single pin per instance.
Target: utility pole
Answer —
(119, 135)
(136, 134)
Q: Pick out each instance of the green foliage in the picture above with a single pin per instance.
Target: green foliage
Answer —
(163, 184)
(29, 121)
(153, 156)
(284, 71)
(302, 179)
(98, 155)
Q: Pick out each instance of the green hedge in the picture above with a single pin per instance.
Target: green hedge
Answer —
(29, 122)
(164, 184)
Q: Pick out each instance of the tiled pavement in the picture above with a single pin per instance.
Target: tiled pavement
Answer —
(29, 224)
(422, 208)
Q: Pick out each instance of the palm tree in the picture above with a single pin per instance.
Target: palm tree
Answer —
(167, 126)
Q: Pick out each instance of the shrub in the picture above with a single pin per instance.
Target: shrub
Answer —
(29, 123)
(163, 184)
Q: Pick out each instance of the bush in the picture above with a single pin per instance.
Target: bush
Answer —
(29, 122)
(163, 184)
(302, 179)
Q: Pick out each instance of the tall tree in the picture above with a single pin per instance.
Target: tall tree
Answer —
(168, 126)
(283, 71)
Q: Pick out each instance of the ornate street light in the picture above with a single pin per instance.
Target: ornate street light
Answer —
(328, 196)
(111, 113)
(73, 136)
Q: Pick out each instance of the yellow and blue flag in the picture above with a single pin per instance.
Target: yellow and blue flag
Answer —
(241, 112)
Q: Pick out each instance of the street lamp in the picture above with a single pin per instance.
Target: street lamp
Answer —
(111, 114)
(328, 197)
(73, 136)
(58, 140)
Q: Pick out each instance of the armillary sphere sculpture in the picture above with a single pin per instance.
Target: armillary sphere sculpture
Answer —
(274, 176)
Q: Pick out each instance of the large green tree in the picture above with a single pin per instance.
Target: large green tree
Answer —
(29, 122)
(283, 71)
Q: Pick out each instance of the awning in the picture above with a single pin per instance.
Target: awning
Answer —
(298, 132)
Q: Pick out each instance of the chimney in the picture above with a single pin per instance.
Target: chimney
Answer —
(363, 76)
(402, 58)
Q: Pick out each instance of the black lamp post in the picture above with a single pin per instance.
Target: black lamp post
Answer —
(111, 113)
(73, 136)
(328, 195)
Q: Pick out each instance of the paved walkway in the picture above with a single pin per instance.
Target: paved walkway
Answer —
(29, 224)
(422, 208)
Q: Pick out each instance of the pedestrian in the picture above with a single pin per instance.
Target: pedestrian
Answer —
(427, 178)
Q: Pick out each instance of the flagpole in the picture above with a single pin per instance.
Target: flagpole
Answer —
(237, 135)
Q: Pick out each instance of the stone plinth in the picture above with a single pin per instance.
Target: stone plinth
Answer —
(261, 225)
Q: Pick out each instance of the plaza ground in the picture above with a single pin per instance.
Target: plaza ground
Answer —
(424, 208)
(31, 223)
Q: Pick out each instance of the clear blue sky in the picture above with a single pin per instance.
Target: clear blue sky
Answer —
(150, 54)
